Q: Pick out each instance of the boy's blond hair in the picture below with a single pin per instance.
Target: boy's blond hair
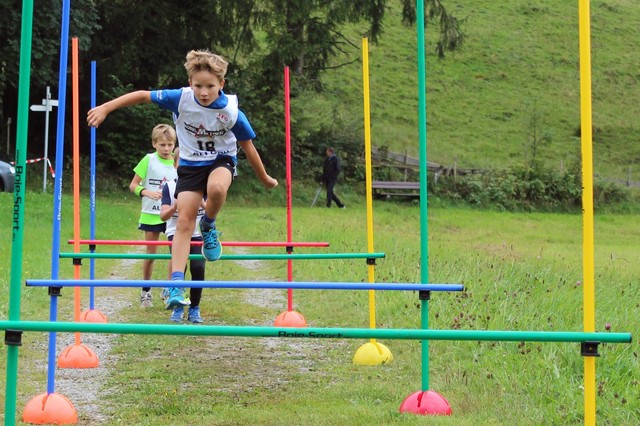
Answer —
(163, 130)
(203, 60)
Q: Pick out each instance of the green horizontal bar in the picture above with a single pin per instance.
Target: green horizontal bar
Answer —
(226, 256)
(332, 333)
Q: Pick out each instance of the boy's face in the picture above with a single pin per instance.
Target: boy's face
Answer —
(164, 147)
(206, 87)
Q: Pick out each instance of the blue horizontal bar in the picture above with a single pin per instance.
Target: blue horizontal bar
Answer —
(309, 285)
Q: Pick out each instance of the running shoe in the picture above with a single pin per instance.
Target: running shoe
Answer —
(176, 315)
(145, 299)
(194, 315)
(211, 247)
(176, 298)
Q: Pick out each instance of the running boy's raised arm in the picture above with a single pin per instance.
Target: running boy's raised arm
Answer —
(97, 115)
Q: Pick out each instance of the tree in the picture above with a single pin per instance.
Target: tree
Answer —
(306, 36)
(45, 50)
(451, 35)
(147, 45)
(143, 47)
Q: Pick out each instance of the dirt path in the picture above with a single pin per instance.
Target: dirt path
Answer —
(279, 359)
(84, 387)
(297, 350)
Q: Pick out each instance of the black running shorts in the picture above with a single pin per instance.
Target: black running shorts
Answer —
(194, 178)
(152, 228)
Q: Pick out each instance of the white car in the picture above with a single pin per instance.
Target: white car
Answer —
(7, 176)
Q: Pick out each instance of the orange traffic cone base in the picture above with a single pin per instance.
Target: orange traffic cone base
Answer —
(93, 315)
(50, 408)
(290, 319)
(78, 356)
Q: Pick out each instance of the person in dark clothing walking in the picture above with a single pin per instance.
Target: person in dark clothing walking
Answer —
(330, 171)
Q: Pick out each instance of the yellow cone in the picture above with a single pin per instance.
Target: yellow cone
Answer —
(372, 353)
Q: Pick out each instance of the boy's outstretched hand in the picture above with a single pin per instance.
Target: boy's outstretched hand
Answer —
(270, 182)
(96, 116)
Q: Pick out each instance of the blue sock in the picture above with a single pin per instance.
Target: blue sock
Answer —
(177, 276)
(206, 219)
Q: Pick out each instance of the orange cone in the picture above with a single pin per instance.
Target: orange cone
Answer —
(50, 408)
(93, 315)
(290, 319)
(77, 356)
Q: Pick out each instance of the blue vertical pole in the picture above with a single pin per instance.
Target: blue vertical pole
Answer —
(57, 187)
(92, 193)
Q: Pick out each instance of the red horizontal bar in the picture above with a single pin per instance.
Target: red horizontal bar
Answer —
(199, 243)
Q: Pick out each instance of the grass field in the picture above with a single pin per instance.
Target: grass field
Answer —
(519, 60)
(520, 271)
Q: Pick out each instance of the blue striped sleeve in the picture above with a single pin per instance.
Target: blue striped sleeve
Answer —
(242, 130)
(167, 99)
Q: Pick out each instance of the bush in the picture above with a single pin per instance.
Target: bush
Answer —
(525, 189)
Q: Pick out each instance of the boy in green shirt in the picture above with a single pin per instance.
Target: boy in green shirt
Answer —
(151, 174)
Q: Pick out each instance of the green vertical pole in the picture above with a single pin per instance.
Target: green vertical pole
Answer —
(18, 206)
(424, 231)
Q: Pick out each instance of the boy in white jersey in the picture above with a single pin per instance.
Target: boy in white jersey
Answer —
(209, 126)
(151, 174)
(169, 213)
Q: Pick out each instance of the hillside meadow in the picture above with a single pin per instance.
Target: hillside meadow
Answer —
(520, 271)
(515, 80)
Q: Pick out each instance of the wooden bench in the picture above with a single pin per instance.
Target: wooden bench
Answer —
(397, 188)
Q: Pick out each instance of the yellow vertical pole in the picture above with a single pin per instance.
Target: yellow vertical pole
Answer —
(367, 151)
(371, 353)
(587, 208)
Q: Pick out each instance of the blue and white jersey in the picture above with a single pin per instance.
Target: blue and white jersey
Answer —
(204, 132)
(168, 198)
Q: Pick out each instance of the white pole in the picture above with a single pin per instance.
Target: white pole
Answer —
(46, 140)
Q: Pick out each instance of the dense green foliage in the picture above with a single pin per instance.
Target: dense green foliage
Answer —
(525, 189)
(138, 48)
(45, 48)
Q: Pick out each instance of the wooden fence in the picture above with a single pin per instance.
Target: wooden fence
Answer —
(410, 166)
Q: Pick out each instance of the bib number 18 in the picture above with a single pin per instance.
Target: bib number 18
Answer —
(207, 146)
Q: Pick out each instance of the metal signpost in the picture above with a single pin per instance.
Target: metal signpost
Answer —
(47, 106)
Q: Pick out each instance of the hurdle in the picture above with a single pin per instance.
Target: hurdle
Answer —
(15, 328)
(93, 242)
(253, 256)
